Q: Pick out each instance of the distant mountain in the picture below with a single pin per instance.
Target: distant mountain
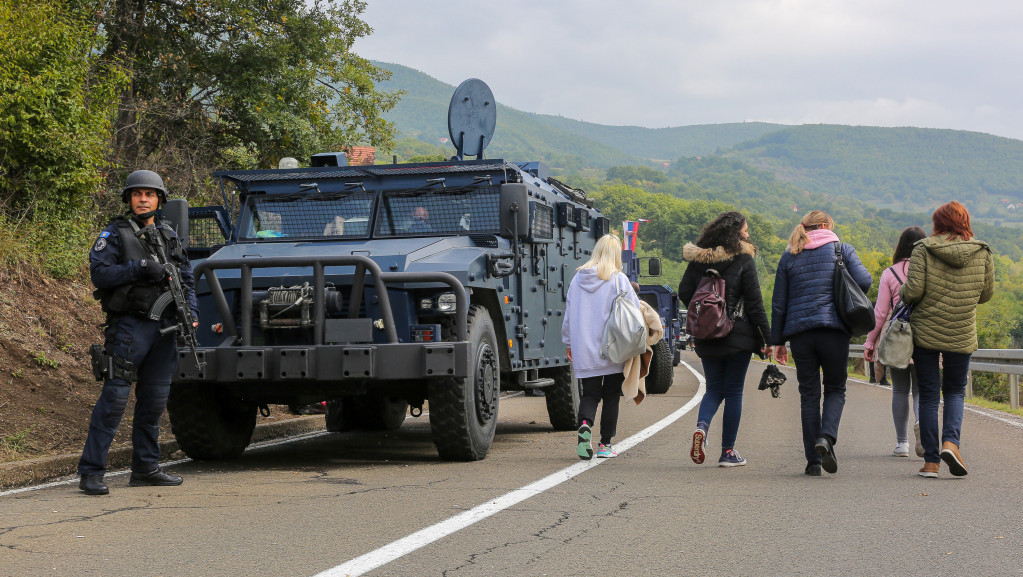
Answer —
(899, 170)
(664, 144)
(422, 113)
(902, 169)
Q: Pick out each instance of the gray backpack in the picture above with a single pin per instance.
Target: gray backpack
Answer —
(625, 329)
(895, 347)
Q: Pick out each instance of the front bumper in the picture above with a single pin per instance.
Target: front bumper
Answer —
(325, 363)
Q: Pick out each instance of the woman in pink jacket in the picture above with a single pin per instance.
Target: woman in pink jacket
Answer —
(903, 380)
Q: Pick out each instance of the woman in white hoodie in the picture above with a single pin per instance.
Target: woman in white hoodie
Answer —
(594, 286)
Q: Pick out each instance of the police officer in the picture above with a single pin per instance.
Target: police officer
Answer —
(129, 278)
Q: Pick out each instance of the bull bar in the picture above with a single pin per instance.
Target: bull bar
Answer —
(237, 360)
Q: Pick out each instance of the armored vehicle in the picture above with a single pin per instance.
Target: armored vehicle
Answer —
(376, 288)
(663, 299)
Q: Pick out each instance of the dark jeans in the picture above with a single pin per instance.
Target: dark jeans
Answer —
(607, 388)
(726, 377)
(948, 381)
(817, 352)
(155, 356)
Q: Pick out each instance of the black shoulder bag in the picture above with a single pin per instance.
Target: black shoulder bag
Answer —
(853, 307)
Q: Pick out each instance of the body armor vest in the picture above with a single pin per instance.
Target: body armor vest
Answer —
(138, 297)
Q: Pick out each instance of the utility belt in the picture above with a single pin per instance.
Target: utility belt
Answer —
(106, 366)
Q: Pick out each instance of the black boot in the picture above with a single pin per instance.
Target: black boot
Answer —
(93, 485)
(155, 478)
(826, 449)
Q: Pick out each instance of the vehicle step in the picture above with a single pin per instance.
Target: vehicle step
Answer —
(538, 384)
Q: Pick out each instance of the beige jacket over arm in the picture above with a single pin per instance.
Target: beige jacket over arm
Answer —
(637, 368)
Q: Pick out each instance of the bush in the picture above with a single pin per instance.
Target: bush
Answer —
(991, 386)
(56, 106)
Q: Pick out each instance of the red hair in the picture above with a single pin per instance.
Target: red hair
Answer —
(952, 220)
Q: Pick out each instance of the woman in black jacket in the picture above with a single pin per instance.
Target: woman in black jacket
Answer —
(724, 246)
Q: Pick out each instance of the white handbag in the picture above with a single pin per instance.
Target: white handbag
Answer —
(625, 330)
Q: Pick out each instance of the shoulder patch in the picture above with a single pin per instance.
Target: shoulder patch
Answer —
(101, 243)
(104, 234)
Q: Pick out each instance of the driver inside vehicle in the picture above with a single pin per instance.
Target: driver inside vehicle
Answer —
(420, 220)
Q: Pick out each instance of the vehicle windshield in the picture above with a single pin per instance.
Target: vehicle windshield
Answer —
(304, 215)
(439, 211)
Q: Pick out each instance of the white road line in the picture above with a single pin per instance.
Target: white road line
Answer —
(401, 547)
(253, 447)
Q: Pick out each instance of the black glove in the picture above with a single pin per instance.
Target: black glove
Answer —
(152, 270)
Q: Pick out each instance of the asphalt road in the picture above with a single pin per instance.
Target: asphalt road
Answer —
(383, 504)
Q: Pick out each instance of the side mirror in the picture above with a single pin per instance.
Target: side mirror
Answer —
(655, 267)
(514, 210)
(176, 212)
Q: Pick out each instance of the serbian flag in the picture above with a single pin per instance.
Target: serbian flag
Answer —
(631, 228)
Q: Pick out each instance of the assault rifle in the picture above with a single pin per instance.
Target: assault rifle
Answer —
(175, 294)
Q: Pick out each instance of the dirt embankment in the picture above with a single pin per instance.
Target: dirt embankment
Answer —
(46, 386)
(47, 390)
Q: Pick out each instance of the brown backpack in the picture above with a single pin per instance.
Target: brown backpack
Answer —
(707, 316)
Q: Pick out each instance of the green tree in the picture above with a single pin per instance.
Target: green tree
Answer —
(239, 82)
(56, 102)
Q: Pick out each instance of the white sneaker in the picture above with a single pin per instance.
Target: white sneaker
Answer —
(901, 450)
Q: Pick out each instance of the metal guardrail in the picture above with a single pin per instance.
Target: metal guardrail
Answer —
(1004, 361)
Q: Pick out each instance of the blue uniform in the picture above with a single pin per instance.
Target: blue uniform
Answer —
(136, 339)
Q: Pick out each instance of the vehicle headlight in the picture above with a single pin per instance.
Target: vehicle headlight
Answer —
(446, 303)
(426, 304)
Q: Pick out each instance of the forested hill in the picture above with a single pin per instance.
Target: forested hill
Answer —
(666, 144)
(903, 169)
(559, 141)
(422, 113)
(894, 170)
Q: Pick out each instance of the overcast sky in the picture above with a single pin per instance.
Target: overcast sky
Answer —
(659, 63)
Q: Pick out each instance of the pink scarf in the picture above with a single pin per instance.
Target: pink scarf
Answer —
(819, 237)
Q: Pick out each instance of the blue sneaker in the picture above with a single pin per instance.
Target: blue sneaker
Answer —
(584, 448)
(731, 458)
(606, 451)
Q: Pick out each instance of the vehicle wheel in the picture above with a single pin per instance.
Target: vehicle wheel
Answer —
(208, 422)
(335, 416)
(373, 413)
(658, 381)
(463, 411)
(562, 398)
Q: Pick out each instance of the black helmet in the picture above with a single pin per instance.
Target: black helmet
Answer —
(144, 179)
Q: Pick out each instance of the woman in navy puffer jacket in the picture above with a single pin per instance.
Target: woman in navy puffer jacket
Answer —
(803, 312)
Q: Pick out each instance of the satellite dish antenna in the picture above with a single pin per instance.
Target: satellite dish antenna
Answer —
(472, 117)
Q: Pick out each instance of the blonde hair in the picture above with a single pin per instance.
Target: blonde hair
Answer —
(606, 258)
(813, 220)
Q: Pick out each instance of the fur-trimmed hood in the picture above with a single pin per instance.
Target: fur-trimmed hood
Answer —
(693, 253)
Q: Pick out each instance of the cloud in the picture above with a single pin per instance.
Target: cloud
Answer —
(667, 63)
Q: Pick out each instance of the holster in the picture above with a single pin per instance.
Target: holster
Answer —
(106, 366)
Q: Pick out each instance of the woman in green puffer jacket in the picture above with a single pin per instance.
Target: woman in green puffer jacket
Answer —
(950, 273)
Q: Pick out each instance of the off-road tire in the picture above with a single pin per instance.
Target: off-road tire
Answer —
(463, 411)
(658, 381)
(562, 398)
(208, 423)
